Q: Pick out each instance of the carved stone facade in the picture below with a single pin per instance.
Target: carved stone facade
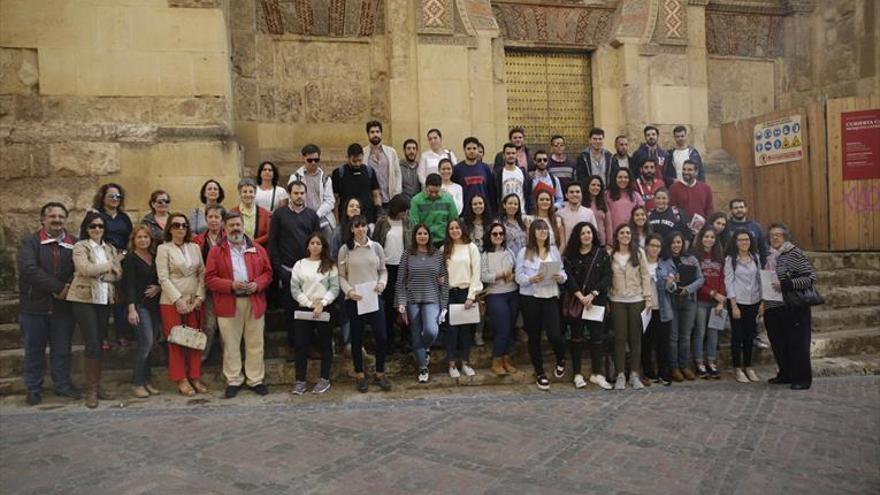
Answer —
(575, 25)
(343, 18)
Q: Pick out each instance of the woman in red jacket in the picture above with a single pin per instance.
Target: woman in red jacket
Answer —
(710, 297)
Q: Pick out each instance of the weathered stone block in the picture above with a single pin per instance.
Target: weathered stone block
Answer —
(195, 4)
(84, 158)
(18, 71)
(7, 109)
(328, 102)
(244, 93)
(192, 110)
(244, 53)
(22, 160)
(28, 108)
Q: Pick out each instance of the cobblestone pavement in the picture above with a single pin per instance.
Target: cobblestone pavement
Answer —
(715, 438)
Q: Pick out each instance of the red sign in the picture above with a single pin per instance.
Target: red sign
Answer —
(860, 142)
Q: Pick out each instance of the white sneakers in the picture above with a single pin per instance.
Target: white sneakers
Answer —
(467, 370)
(453, 372)
(424, 375)
(620, 384)
(579, 381)
(634, 381)
(600, 381)
(751, 375)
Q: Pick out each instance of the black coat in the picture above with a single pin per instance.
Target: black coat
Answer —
(40, 275)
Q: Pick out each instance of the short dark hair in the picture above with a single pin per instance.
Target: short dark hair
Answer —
(296, 183)
(516, 129)
(230, 215)
(445, 160)
(90, 216)
(689, 162)
(246, 182)
(433, 180)
(439, 134)
(209, 209)
(555, 137)
(373, 123)
(736, 200)
(572, 184)
(411, 141)
(167, 230)
(398, 204)
(649, 128)
(310, 148)
(618, 138)
(507, 145)
(154, 196)
(470, 140)
(53, 204)
(274, 172)
(354, 149)
(649, 160)
(539, 152)
(597, 131)
(220, 197)
(680, 128)
(487, 236)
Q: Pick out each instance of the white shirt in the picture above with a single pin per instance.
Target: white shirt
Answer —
(457, 194)
(394, 242)
(239, 267)
(429, 161)
(652, 269)
(102, 296)
(263, 199)
(678, 158)
(513, 182)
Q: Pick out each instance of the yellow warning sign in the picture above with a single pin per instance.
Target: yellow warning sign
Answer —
(785, 143)
(796, 141)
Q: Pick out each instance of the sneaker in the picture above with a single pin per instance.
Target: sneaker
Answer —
(701, 371)
(424, 375)
(751, 375)
(260, 389)
(453, 372)
(635, 381)
(760, 344)
(621, 382)
(322, 386)
(713, 371)
(33, 398)
(600, 381)
(139, 391)
(543, 383)
(231, 391)
(467, 370)
(579, 381)
(740, 376)
(151, 389)
(299, 388)
(384, 383)
(478, 339)
(559, 371)
(362, 385)
(664, 381)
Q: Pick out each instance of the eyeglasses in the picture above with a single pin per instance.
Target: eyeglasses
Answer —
(114, 196)
(497, 234)
(777, 234)
(163, 201)
(95, 226)
(540, 160)
(313, 160)
(179, 225)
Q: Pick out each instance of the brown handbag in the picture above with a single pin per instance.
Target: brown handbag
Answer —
(572, 307)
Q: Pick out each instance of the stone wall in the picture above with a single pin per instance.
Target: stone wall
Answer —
(134, 92)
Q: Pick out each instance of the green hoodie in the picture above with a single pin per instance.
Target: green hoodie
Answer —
(435, 213)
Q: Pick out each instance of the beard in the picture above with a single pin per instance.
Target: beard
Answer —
(236, 237)
(375, 140)
(648, 177)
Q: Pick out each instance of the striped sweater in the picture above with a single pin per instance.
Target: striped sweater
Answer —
(422, 278)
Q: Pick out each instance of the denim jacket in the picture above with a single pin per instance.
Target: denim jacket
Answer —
(694, 287)
(664, 268)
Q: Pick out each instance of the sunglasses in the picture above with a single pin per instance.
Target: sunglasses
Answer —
(95, 226)
(498, 234)
(313, 160)
(114, 196)
(179, 225)
(540, 160)
(163, 201)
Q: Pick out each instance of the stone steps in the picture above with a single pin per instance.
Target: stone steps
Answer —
(847, 277)
(850, 296)
(829, 319)
(864, 260)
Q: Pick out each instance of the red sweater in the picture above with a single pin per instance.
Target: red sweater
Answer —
(692, 199)
(713, 273)
(219, 278)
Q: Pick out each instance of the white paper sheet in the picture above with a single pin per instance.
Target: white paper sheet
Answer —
(717, 321)
(310, 316)
(549, 268)
(460, 316)
(369, 302)
(646, 319)
(768, 293)
(595, 313)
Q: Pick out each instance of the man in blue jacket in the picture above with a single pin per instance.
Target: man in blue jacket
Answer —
(45, 267)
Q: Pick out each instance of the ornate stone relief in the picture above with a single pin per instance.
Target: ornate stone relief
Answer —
(553, 23)
(339, 18)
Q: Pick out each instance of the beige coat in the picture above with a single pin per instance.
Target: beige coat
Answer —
(88, 274)
(176, 277)
(630, 281)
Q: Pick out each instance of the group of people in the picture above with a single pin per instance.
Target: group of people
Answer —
(437, 249)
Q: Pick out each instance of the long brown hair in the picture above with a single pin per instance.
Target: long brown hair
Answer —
(551, 215)
(633, 244)
(327, 262)
(532, 247)
(415, 245)
(448, 244)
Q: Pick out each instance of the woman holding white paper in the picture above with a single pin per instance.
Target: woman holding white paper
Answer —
(710, 297)
(655, 338)
(688, 280)
(539, 297)
(422, 289)
(361, 266)
(314, 285)
(463, 265)
(497, 264)
(589, 277)
(630, 295)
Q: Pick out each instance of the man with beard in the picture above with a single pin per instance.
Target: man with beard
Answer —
(238, 273)
(517, 136)
(647, 184)
(290, 227)
(542, 179)
(681, 153)
(474, 176)
(512, 179)
(651, 149)
(381, 159)
(691, 195)
(319, 187)
(409, 169)
(595, 160)
(620, 158)
(45, 270)
(353, 179)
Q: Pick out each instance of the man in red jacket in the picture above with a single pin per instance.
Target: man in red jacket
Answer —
(691, 195)
(237, 274)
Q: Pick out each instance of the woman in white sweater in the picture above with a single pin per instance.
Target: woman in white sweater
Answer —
(314, 285)
(463, 266)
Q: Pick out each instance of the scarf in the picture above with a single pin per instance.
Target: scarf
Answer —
(773, 254)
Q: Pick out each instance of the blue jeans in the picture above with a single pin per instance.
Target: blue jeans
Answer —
(423, 327)
(684, 315)
(501, 309)
(377, 323)
(702, 331)
(56, 330)
(148, 328)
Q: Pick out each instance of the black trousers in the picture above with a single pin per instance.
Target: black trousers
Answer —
(655, 345)
(742, 333)
(542, 314)
(596, 331)
(303, 333)
(790, 333)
